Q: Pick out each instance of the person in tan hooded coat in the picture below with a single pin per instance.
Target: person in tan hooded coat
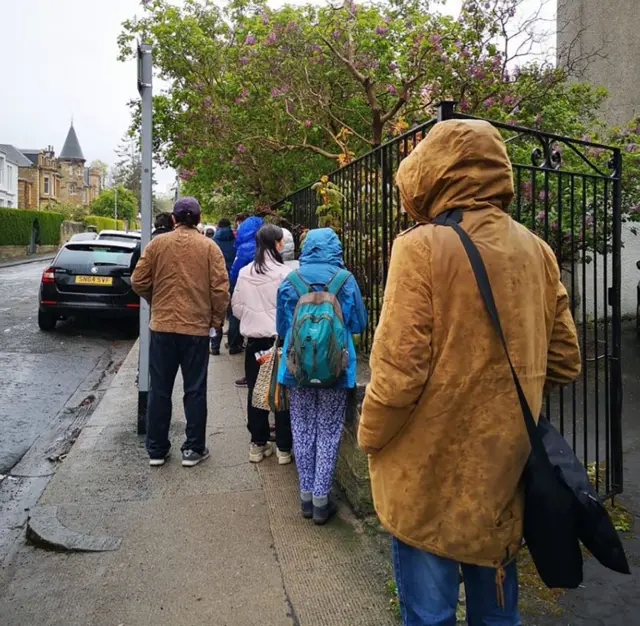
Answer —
(441, 420)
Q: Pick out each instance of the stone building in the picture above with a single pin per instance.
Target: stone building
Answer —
(605, 38)
(80, 184)
(39, 182)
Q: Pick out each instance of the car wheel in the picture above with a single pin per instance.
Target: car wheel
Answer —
(46, 321)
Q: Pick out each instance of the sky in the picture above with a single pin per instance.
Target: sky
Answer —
(62, 64)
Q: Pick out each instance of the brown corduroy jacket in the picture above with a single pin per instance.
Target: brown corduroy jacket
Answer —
(183, 276)
(441, 418)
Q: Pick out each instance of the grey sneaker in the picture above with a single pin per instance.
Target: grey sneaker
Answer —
(191, 457)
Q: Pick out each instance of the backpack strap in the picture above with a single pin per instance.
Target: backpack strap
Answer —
(301, 286)
(337, 282)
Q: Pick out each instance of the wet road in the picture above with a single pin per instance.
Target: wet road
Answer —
(40, 371)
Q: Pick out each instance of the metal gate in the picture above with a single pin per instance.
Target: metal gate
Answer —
(568, 191)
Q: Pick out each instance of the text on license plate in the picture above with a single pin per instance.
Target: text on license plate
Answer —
(94, 280)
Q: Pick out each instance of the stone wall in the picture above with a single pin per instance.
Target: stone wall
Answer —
(69, 228)
(606, 37)
(352, 472)
(14, 252)
(72, 182)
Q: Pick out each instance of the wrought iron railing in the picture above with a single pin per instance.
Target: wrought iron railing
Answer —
(568, 191)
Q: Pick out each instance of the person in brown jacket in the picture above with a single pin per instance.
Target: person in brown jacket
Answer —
(183, 277)
(441, 420)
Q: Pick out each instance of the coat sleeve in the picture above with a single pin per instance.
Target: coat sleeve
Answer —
(563, 356)
(219, 286)
(237, 299)
(357, 320)
(401, 353)
(142, 277)
(286, 302)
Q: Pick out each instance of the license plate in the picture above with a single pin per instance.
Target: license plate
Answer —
(94, 280)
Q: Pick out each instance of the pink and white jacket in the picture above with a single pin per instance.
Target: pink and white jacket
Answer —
(254, 299)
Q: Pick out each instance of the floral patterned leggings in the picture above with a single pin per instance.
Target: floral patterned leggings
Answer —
(317, 416)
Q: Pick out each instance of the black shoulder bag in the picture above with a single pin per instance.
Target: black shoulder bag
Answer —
(561, 506)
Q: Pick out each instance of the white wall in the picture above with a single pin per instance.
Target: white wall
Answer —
(9, 184)
(630, 277)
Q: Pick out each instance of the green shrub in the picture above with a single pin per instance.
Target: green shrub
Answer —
(103, 223)
(16, 225)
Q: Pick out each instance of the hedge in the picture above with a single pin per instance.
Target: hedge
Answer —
(16, 225)
(107, 223)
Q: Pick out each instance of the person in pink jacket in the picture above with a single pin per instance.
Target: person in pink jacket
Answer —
(254, 304)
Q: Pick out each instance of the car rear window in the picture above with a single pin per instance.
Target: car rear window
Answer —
(94, 253)
(117, 237)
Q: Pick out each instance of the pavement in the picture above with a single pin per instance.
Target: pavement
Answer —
(223, 543)
(32, 258)
(219, 544)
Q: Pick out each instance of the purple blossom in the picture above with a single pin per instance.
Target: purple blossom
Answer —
(291, 26)
(541, 215)
(488, 103)
(239, 100)
(180, 154)
(631, 147)
(487, 5)
(392, 90)
(458, 45)
(381, 30)
(393, 66)
(554, 225)
(508, 99)
(235, 160)
(245, 92)
(275, 91)
(244, 60)
(525, 188)
(588, 220)
(477, 72)
(463, 105)
(265, 19)
(250, 40)
(207, 102)
(272, 37)
(307, 123)
(241, 147)
(511, 122)
(435, 39)
(542, 195)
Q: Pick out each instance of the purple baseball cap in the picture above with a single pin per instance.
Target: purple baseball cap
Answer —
(187, 204)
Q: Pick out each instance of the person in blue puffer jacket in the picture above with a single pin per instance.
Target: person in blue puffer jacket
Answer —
(317, 415)
(245, 246)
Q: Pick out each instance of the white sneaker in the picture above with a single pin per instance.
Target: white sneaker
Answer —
(258, 453)
(284, 458)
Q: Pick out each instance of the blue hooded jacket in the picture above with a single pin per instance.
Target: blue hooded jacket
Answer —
(320, 259)
(245, 246)
(225, 239)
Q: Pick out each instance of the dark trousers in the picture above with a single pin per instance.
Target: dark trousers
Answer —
(167, 352)
(257, 419)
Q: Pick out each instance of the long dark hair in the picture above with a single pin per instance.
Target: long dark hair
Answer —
(266, 239)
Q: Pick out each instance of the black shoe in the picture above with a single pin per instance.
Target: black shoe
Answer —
(241, 383)
(322, 514)
(214, 352)
(234, 351)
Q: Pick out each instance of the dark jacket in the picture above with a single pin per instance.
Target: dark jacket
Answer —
(225, 239)
(162, 230)
(245, 246)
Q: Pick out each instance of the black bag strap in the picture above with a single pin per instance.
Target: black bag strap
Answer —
(453, 218)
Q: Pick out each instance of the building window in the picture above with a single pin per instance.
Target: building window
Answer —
(47, 187)
(2, 161)
(9, 177)
(72, 189)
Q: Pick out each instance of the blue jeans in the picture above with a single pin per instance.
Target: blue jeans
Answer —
(428, 588)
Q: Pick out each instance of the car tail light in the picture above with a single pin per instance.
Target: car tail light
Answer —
(48, 302)
(48, 276)
(133, 306)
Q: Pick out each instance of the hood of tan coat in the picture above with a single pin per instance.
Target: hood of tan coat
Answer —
(460, 164)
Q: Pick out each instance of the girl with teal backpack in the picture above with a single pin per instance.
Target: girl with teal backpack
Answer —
(319, 309)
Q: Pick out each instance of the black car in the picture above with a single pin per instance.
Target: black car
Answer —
(91, 278)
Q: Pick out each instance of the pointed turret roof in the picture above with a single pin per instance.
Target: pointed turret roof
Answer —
(71, 151)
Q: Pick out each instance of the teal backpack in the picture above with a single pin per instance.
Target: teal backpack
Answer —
(318, 350)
